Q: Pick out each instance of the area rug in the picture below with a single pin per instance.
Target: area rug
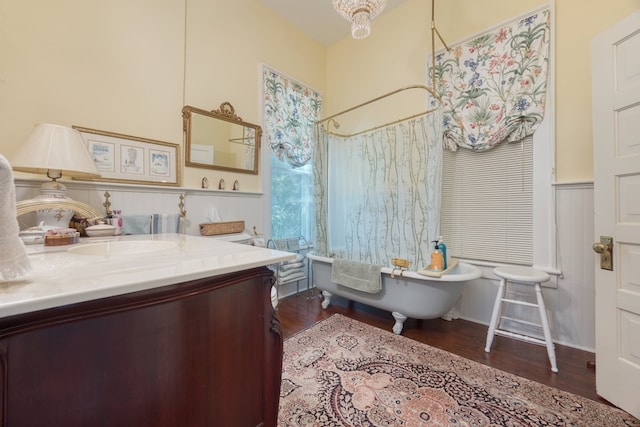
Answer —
(341, 372)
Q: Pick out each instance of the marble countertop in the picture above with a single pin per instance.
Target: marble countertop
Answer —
(60, 277)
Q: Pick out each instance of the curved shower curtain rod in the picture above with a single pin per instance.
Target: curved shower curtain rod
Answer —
(330, 119)
(432, 90)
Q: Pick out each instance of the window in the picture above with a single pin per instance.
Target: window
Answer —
(487, 203)
(291, 200)
(290, 112)
(498, 208)
(543, 219)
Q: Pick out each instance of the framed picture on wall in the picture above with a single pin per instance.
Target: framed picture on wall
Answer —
(103, 155)
(132, 159)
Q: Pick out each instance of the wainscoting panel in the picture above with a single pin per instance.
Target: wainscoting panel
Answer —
(570, 306)
(575, 311)
(147, 199)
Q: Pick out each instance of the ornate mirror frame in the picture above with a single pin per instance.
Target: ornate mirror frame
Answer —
(238, 132)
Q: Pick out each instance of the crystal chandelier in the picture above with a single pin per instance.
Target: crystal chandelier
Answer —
(360, 13)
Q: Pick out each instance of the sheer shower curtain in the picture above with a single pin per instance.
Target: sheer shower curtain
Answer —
(378, 193)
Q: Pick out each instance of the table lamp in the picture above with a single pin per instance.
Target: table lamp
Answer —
(56, 151)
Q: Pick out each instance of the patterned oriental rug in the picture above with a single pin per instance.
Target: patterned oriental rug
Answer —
(341, 372)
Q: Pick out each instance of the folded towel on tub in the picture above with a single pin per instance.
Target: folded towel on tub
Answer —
(357, 275)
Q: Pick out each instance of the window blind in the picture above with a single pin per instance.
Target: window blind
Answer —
(487, 203)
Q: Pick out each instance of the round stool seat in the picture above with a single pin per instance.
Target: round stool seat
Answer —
(521, 274)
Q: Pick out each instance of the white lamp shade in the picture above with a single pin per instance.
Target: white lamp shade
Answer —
(56, 148)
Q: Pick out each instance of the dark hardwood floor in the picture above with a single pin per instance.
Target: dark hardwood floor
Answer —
(461, 337)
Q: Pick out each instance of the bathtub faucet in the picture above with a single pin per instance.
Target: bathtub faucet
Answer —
(399, 263)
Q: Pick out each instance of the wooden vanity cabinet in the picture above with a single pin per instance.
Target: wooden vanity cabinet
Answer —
(201, 353)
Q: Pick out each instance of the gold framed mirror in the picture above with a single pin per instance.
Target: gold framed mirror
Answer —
(220, 140)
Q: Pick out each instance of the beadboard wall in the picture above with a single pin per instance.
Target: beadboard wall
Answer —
(149, 199)
(570, 303)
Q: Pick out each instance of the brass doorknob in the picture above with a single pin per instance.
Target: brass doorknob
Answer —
(605, 248)
(599, 247)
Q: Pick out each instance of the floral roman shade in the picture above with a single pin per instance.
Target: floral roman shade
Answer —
(494, 86)
(290, 110)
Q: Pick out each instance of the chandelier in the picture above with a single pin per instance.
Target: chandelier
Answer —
(360, 13)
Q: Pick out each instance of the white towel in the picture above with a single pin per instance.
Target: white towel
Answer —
(291, 266)
(286, 273)
(357, 275)
(213, 215)
(292, 278)
(259, 242)
(298, 258)
(14, 262)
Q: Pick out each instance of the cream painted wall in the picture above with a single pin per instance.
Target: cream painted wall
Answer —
(115, 66)
(395, 53)
(578, 21)
(120, 66)
(223, 57)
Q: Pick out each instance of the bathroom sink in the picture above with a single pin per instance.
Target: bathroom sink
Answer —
(123, 247)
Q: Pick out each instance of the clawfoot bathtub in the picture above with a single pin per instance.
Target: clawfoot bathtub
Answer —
(407, 295)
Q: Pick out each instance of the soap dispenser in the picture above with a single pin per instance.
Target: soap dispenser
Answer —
(437, 261)
(443, 249)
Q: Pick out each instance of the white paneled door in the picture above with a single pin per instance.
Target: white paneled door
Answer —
(616, 142)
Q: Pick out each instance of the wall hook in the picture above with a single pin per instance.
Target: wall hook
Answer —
(107, 204)
(221, 184)
(183, 212)
(236, 185)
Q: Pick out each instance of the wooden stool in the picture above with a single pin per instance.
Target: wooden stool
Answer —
(527, 276)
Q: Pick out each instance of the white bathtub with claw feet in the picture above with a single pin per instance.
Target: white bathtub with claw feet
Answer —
(406, 295)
